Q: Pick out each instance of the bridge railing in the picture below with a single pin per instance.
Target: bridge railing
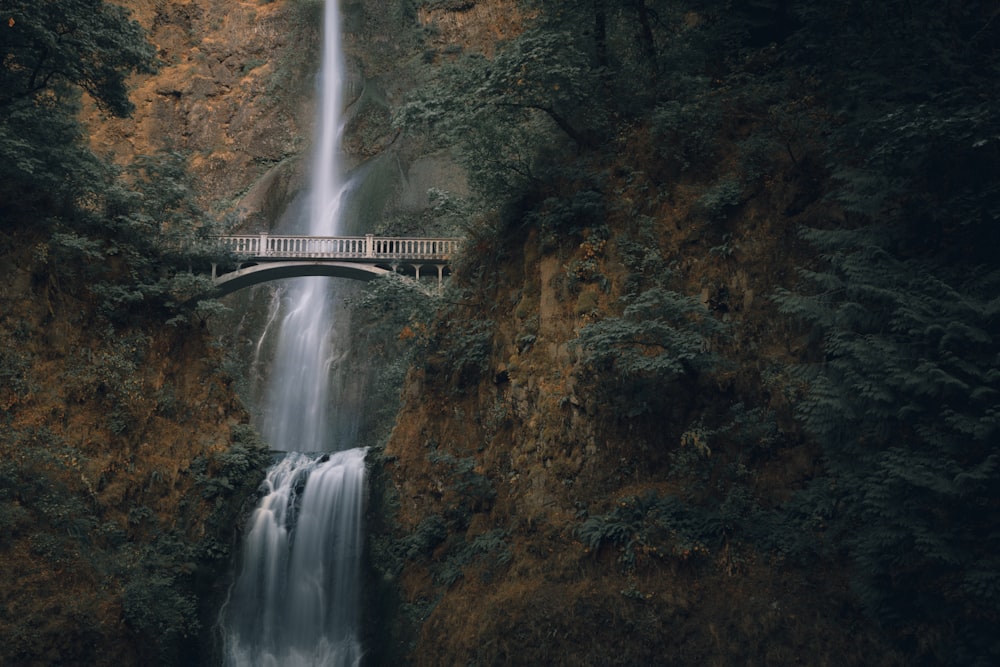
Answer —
(368, 247)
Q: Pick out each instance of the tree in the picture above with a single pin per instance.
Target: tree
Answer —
(904, 398)
(48, 47)
(504, 114)
(49, 52)
(905, 405)
(915, 136)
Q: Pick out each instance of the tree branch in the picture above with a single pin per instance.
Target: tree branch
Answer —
(563, 124)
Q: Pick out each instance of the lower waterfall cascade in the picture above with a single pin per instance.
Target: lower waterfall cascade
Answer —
(295, 601)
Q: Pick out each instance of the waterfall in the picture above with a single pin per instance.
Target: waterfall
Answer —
(295, 601)
(295, 413)
(296, 598)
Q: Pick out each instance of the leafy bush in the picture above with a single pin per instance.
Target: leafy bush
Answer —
(660, 336)
(720, 198)
(651, 526)
(686, 129)
(14, 375)
(558, 216)
(470, 345)
(489, 550)
(430, 532)
(157, 605)
(472, 491)
(504, 114)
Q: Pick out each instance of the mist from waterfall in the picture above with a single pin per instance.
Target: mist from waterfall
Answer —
(296, 598)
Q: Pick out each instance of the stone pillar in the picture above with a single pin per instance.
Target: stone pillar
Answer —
(369, 245)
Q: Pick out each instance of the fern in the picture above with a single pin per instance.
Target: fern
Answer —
(661, 334)
(651, 526)
(905, 404)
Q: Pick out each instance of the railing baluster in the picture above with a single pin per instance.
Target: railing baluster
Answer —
(359, 248)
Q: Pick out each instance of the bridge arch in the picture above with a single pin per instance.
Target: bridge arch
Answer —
(247, 276)
(262, 257)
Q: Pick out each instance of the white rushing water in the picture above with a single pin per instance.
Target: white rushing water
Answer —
(296, 598)
(295, 410)
(295, 601)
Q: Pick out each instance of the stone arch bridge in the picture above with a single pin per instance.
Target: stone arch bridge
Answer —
(263, 257)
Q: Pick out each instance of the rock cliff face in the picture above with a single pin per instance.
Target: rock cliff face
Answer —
(232, 94)
(235, 95)
(125, 459)
(123, 465)
(523, 504)
(505, 443)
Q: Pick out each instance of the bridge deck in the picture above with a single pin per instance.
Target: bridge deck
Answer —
(368, 248)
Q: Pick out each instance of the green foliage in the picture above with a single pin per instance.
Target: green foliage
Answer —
(234, 472)
(47, 47)
(652, 526)
(488, 550)
(429, 533)
(128, 233)
(504, 114)
(439, 540)
(686, 129)
(570, 215)
(391, 317)
(111, 376)
(48, 504)
(45, 166)
(392, 303)
(157, 602)
(804, 529)
(886, 108)
(15, 382)
(660, 337)
(469, 345)
(159, 207)
(48, 53)
(720, 198)
(136, 242)
(915, 136)
(472, 491)
(125, 236)
(905, 404)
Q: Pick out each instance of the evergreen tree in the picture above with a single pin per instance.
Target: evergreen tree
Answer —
(50, 51)
(905, 404)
